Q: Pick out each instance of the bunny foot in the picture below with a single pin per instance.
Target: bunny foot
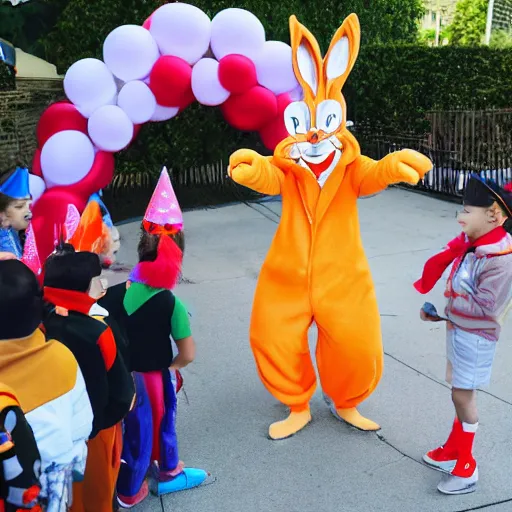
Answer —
(354, 418)
(295, 422)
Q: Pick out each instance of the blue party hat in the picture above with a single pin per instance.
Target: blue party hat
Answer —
(17, 185)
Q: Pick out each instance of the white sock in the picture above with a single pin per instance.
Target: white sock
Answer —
(470, 427)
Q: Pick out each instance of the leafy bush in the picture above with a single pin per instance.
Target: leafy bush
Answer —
(84, 24)
(394, 86)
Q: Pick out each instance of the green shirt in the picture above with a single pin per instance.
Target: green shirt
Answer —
(138, 294)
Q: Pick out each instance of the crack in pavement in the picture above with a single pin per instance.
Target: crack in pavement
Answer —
(382, 466)
(379, 435)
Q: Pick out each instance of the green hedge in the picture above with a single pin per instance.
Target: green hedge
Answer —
(83, 25)
(393, 86)
(390, 89)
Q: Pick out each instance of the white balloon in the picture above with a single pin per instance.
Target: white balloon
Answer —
(274, 67)
(110, 128)
(137, 101)
(89, 84)
(206, 85)
(130, 52)
(237, 31)
(36, 186)
(181, 30)
(297, 94)
(88, 109)
(164, 113)
(66, 158)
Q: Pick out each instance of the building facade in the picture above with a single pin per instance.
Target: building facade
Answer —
(445, 9)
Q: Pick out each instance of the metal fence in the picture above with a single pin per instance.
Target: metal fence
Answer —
(459, 143)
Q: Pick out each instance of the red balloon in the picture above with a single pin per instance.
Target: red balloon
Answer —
(58, 117)
(136, 131)
(51, 208)
(170, 80)
(252, 110)
(237, 73)
(100, 175)
(50, 211)
(147, 23)
(275, 131)
(283, 100)
(36, 164)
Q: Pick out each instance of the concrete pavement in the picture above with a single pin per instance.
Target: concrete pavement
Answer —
(222, 424)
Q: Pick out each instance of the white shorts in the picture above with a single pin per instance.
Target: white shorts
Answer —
(470, 358)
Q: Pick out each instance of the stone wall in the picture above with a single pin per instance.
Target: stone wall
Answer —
(20, 111)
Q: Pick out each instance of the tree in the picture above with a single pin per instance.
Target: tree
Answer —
(25, 24)
(468, 26)
(84, 24)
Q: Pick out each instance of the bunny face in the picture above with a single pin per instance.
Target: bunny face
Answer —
(317, 125)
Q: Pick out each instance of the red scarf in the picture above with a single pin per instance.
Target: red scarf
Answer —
(69, 300)
(457, 248)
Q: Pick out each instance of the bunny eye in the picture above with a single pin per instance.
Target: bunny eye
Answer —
(329, 116)
(297, 118)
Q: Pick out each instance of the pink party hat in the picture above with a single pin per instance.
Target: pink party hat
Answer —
(72, 221)
(30, 254)
(163, 210)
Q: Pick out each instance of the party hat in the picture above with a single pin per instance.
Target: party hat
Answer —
(163, 215)
(30, 255)
(91, 234)
(17, 184)
(72, 221)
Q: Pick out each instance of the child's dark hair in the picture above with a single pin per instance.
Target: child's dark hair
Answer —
(5, 202)
(148, 245)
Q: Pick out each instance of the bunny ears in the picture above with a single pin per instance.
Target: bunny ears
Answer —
(324, 78)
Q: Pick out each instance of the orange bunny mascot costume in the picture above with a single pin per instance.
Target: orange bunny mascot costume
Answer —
(316, 268)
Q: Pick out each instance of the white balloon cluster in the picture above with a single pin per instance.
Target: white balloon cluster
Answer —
(116, 94)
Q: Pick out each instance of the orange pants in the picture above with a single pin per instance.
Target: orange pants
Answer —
(96, 492)
(349, 352)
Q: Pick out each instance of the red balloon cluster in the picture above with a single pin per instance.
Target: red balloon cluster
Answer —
(51, 208)
(250, 107)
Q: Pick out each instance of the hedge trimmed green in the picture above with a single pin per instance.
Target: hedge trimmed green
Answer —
(392, 87)
(83, 25)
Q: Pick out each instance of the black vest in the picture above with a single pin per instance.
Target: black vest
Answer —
(110, 391)
(148, 329)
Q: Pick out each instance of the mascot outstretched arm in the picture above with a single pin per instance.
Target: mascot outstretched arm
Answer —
(316, 269)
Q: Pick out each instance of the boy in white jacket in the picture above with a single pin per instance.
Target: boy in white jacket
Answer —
(48, 383)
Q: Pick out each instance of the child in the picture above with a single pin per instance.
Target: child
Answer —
(72, 284)
(15, 211)
(19, 457)
(479, 294)
(152, 317)
(48, 383)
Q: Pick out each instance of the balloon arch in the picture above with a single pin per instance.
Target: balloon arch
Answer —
(151, 73)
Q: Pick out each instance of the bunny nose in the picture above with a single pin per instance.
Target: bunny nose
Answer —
(312, 136)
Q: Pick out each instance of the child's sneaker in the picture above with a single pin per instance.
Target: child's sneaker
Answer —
(444, 458)
(462, 480)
